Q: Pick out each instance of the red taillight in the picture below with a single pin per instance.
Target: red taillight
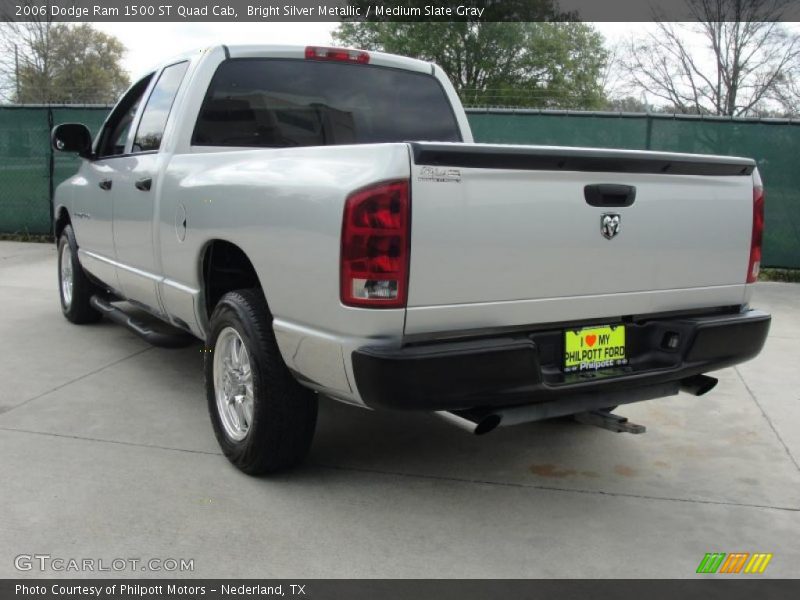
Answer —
(754, 264)
(375, 246)
(340, 54)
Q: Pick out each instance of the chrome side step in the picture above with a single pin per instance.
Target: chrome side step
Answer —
(150, 329)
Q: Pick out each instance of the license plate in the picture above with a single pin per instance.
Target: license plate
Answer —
(594, 348)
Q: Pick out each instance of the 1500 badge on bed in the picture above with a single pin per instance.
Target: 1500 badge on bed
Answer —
(594, 348)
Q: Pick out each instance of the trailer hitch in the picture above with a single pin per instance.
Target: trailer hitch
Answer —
(610, 421)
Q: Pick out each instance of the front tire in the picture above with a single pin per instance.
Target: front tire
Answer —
(74, 287)
(263, 419)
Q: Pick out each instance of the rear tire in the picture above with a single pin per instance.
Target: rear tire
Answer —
(74, 287)
(263, 419)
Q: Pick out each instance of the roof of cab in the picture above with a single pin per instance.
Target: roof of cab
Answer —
(375, 58)
(381, 59)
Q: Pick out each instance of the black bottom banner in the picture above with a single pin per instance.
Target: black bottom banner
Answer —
(391, 589)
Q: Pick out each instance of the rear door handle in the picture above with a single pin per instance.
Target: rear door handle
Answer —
(105, 184)
(609, 195)
(144, 184)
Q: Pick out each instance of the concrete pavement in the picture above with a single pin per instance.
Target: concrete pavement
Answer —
(106, 451)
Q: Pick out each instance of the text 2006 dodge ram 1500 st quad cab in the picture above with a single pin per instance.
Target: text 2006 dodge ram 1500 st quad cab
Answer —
(322, 219)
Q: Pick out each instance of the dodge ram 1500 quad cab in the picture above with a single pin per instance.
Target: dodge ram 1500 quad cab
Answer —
(322, 219)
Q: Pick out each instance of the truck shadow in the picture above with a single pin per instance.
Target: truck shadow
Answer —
(345, 431)
(681, 456)
(421, 443)
(548, 453)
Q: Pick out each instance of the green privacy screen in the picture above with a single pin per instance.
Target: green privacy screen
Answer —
(29, 169)
(774, 144)
(27, 166)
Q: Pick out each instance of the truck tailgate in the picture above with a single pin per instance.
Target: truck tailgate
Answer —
(505, 236)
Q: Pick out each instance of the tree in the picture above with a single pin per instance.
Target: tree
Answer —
(53, 63)
(735, 60)
(628, 104)
(541, 64)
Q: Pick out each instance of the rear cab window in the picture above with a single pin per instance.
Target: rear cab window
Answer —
(156, 111)
(278, 103)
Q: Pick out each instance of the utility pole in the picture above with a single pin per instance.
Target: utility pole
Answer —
(16, 69)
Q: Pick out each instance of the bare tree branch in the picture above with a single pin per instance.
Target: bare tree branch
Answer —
(736, 59)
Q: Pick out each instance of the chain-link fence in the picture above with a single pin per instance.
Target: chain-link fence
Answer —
(29, 170)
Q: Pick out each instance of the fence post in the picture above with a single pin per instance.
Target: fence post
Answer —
(648, 139)
(51, 166)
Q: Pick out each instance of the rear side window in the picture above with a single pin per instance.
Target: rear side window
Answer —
(283, 103)
(154, 117)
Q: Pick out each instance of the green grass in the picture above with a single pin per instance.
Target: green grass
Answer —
(39, 238)
(770, 274)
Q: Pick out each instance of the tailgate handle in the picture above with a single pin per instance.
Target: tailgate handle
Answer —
(609, 194)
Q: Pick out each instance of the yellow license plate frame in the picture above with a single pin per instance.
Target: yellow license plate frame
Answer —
(594, 348)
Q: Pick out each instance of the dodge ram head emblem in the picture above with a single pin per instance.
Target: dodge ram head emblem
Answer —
(609, 225)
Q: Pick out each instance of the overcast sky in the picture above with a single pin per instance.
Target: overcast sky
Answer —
(151, 43)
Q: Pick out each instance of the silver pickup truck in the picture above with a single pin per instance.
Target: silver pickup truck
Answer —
(323, 221)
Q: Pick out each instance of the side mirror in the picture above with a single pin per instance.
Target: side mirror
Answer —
(72, 137)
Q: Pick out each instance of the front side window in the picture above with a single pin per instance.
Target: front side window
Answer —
(156, 111)
(284, 103)
(115, 130)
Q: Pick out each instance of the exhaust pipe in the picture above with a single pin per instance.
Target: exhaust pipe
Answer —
(477, 424)
(697, 385)
(481, 421)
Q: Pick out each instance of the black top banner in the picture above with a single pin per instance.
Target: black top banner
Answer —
(385, 10)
